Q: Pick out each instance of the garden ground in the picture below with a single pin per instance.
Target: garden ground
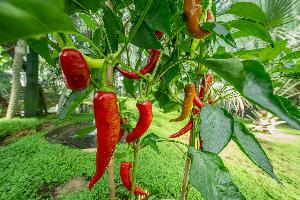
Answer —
(33, 168)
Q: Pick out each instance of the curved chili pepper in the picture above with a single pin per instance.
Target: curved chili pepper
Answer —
(144, 121)
(189, 93)
(126, 178)
(193, 12)
(149, 67)
(122, 131)
(209, 79)
(197, 100)
(76, 73)
(187, 127)
(108, 128)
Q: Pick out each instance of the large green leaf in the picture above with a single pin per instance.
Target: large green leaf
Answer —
(250, 28)
(130, 87)
(145, 37)
(113, 28)
(23, 19)
(165, 101)
(150, 140)
(216, 127)
(292, 109)
(248, 10)
(250, 146)
(156, 20)
(211, 178)
(73, 101)
(41, 47)
(253, 82)
(73, 6)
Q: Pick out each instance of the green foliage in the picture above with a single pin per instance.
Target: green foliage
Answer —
(210, 177)
(215, 128)
(250, 146)
(251, 80)
(32, 18)
(11, 126)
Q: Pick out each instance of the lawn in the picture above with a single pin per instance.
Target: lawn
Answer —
(31, 167)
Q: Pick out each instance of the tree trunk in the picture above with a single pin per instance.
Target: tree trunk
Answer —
(43, 100)
(31, 94)
(20, 51)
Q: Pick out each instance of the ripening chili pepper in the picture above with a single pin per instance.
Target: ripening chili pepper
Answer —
(193, 12)
(126, 178)
(107, 120)
(197, 100)
(209, 79)
(189, 93)
(149, 67)
(122, 131)
(75, 70)
(144, 121)
(187, 127)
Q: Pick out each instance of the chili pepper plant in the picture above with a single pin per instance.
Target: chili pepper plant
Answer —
(188, 46)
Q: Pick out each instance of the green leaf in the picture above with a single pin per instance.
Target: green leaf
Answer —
(41, 47)
(221, 31)
(156, 20)
(210, 177)
(84, 131)
(130, 86)
(88, 21)
(113, 27)
(248, 10)
(250, 28)
(251, 147)
(293, 55)
(251, 80)
(216, 127)
(30, 18)
(73, 101)
(165, 102)
(290, 107)
(145, 38)
(73, 6)
(150, 140)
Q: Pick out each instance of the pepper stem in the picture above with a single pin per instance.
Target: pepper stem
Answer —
(134, 169)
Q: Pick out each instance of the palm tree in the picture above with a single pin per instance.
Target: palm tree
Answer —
(20, 52)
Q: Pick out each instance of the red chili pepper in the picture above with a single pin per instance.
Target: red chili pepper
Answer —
(187, 127)
(209, 79)
(75, 70)
(122, 131)
(149, 67)
(126, 178)
(201, 142)
(197, 100)
(144, 121)
(108, 128)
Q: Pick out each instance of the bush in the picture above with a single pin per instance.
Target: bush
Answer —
(11, 126)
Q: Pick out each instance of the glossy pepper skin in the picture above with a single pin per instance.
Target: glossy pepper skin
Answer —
(149, 67)
(108, 128)
(189, 94)
(126, 178)
(209, 80)
(75, 70)
(187, 127)
(193, 12)
(143, 123)
(197, 100)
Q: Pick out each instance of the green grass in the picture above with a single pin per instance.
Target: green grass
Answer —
(31, 164)
(11, 126)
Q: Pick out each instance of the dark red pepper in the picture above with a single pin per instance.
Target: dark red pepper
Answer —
(187, 127)
(108, 128)
(209, 79)
(197, 100)
(144, 121)
(76, 72)
(126, 178)
(149, 67)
